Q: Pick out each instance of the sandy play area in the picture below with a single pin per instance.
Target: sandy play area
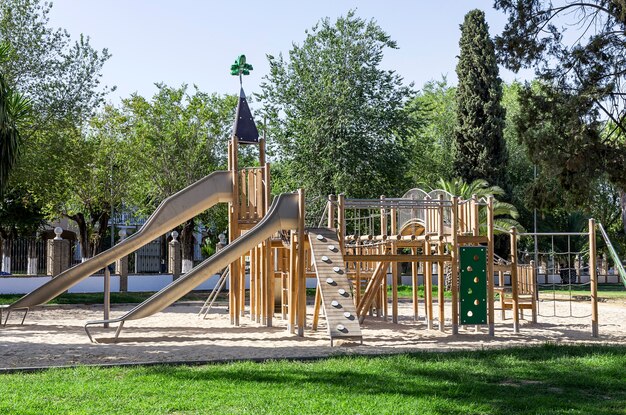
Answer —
(54, 335)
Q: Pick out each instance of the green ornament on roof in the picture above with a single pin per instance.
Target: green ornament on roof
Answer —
(240, 67)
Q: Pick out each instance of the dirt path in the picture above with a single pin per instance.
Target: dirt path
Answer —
(54, 336)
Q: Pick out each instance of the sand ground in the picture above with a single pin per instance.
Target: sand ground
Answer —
(54, 335)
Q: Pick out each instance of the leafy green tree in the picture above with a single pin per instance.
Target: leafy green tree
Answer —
(338, 120)
(433, 152)
(78, 174)
(60, 79)
(480, 147)
(175, 139)
(573, 119)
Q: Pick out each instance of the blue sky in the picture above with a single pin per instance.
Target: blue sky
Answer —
(194, 42)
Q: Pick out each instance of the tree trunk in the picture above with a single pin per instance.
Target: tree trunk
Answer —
(99, 224)
(187, 242)
(6, 255)
(31, 264)
(83, 235)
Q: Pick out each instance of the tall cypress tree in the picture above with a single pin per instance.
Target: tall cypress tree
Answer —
(480, 146)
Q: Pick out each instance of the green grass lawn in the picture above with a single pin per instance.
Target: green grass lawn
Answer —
(542, 380)
(612, 291)
(98, 298)
(406, 291)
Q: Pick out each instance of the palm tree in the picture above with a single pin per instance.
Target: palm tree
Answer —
(13, 108)
(504, 214)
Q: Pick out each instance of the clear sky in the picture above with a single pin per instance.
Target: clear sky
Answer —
(195, 42)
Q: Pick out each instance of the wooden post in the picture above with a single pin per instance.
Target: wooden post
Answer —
(301, 272)
(292, 286)
(476, 220)
(593, 276)
(242, 285)
(428, 285)
(454, 250)
(383, 309)
(415, 285)
(514, 280)
(233, 231)
(440, 276)
(268, 272)
(107, 294)
(490, 270)
(331, 211)
(357, 277)
(394, 271)
(316, 308)
(341, 222)
(533, 290)
(254, 285)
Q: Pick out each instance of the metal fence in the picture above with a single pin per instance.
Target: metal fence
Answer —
(149, 259)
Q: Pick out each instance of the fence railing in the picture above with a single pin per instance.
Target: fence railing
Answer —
(149, 259)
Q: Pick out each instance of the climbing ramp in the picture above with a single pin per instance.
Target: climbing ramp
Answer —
(341, 317)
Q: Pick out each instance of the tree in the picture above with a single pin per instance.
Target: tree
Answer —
(480, 147)
(580, 98)
(175, 139)
(60, 80)
(338, 120)
(505, 214)
(434, 141)
(13, 109)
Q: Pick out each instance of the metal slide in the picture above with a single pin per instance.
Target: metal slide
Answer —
(618, 263)
(283, 214)
(174, 210)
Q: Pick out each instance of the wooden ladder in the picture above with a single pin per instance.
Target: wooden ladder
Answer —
(332, 279)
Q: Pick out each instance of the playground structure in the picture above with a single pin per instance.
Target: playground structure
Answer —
(272, 251)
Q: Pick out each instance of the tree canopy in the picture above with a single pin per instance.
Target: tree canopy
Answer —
(573, 118)
(480, 147)
(338, 119)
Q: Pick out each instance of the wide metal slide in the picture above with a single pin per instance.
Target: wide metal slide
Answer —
(174, 210)
(283, 214)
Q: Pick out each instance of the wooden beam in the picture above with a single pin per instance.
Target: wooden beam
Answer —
(397, 258)
(472, 239)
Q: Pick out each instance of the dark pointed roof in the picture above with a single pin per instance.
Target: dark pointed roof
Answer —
(245, 127)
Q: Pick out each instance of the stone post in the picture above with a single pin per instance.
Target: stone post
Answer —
(174, 256)
(121, 265)
(222, 242)
(58, 259)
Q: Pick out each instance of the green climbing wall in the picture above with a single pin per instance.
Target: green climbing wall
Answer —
(473, 289)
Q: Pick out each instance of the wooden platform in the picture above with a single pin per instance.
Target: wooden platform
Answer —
(339, 309)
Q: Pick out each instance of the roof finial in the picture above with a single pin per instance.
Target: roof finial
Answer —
(240, 67)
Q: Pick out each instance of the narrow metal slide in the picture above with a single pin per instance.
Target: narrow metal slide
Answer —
(618, 262)
(174, 210)
(341, 316)
(283, 214)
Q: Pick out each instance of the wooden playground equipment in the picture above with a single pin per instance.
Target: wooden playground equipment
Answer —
(354, 259)
(359, 253)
